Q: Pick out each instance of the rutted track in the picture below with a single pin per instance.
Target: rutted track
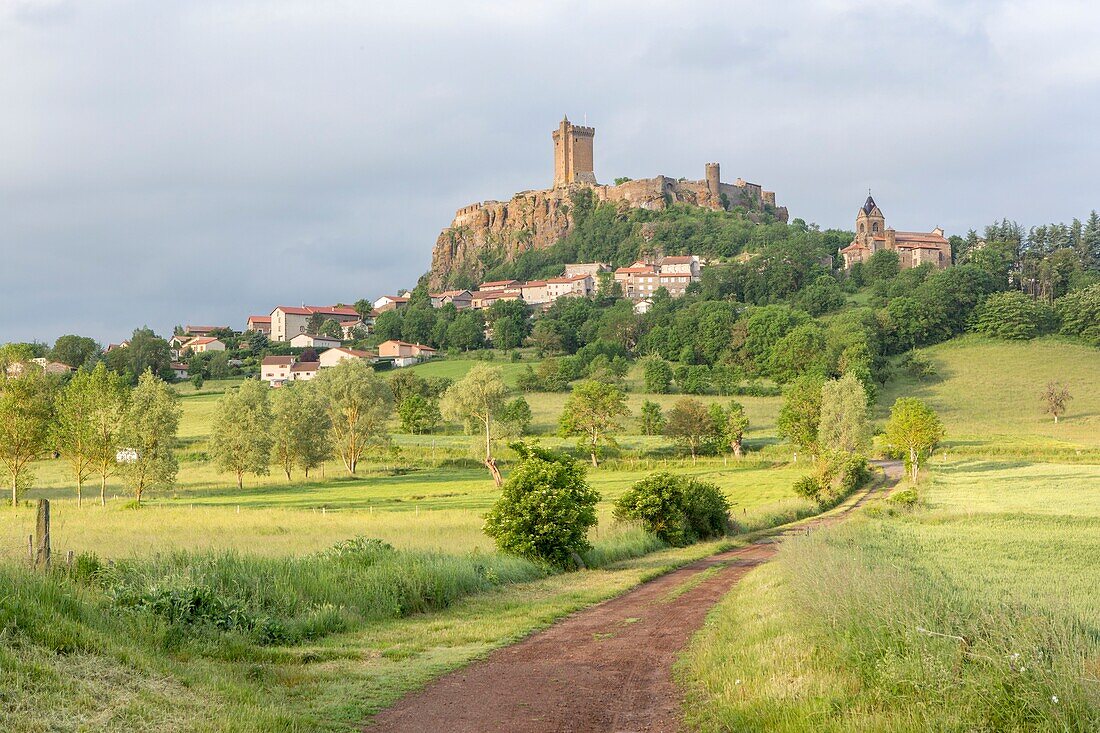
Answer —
(607, 668)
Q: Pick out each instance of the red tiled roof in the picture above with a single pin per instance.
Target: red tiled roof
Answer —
(259, 319)
(535, 284)
(919, 245)
(500, 282)
(306, 366)
(309, 310)
(928, 237)
(636, 270)
(200, 341)
(277, 360)
(353, 352)
(678, 260)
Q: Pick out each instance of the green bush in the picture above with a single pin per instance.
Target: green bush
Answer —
(1079, 313)
(545, 509)
(1013, 315)
(679, 510)
(835, 477)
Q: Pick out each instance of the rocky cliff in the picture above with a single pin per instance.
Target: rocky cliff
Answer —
(493, 231)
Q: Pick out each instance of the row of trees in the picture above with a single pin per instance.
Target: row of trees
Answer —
(97, 421)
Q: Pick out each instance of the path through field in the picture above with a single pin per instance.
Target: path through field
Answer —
(606, 669)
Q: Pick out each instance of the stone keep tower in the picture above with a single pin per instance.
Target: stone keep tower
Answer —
(573, 154)
(714, 178)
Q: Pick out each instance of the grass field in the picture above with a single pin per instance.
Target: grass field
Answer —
(987, 393)
(977, 611)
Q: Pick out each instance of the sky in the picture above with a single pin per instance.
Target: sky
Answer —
(197, 161)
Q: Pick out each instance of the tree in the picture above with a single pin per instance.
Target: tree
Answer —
(1079, 313)
(593, 412)
(148, 432)
(241, 440)
(300, 428)
(146, 351)
(844, 422)
(882, 265)
(466, 331)
(26, 413)
(358, 404)
(677, 509)
(653, 422)
(1013, 315)
(418, 414)
(75, 351)
(732, 424)
(476, 400)
(74, 430)
(545, 510)
(658, 375)
(1054, 397)
(197, 381)
(509, 323)
(112, 398)
(515, 418)
(689, 424)
(914, 429)
(800, 414)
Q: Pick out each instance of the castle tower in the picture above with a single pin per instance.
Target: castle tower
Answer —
(573, 154)
(714, 178)
(870, 223)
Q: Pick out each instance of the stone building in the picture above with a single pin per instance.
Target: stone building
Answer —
(913, 248)
(573, 154)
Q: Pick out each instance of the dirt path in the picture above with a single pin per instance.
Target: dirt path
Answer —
(607, 668)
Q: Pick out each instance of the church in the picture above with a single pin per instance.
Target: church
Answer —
(913, 248)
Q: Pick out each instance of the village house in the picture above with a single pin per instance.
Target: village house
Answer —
(275, 370)
(499, 285)
(202, 344)
(675, 273)
(309, 340)
(349, 328)
(574, 285)
(404, 353)
(179, 369)
(289, 321)
(112, 347)
(681, 264)
(637, 281)
(535, 292)
(482, 299)
(332, 357)
(17, 368)
(202, 330)
(593, 269)
(262, 324)
(913, 248)
(303, 371)
(461, 299)
(390, 302)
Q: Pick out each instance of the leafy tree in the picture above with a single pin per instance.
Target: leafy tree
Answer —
(357, 403)
(653, 422)
(241, 440)
(74, 430)
(1079, 313)
(146, 352)
(844, 422)
(26, 414)
(218, 365)
(197, 381)
(331, 328)
(476, 400)
(545, 510)
(148, 433)
(76, 351)
(658, 375)
(800, 351)
(689, 424)
(509, 323)
(800, 414)
(405, 383)
(763, 329)
(1013, 315)
(546, 337)
(387, 326)
(301, 428)
(732, 423)
(679, 510)
(515, 418)
(418, 414)
(821, 296)
(466, 331)
(111, 394)
(418, 323)
(882, 265)
(315, 323)
(594, 411)
(1054, 397)
(914, 429)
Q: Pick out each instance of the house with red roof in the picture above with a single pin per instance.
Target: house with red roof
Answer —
(287, 321)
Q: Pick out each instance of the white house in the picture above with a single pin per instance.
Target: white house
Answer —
(275, 370)
(303, 371)
(307, 340)
(334, 356)
(404, 353)
(202, 344)
(288, 321)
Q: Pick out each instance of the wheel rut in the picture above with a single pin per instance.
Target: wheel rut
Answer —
(606, 668)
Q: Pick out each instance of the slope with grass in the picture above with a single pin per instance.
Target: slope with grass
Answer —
(975, 611)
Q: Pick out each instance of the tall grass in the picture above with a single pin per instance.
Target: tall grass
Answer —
(976, 612)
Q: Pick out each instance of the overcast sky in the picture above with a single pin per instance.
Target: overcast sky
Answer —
(195, 161)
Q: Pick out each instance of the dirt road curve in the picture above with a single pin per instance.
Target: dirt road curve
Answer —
(605, 669)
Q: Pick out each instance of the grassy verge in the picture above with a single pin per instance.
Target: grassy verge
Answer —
(977, 611)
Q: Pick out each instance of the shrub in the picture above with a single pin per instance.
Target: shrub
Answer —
(545, 509)
(677, 509)
(835, 477)
(906, 498)
(658, 375)
(1079, 313)
(1013, 315)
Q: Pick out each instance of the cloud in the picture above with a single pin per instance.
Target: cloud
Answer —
(194, 160)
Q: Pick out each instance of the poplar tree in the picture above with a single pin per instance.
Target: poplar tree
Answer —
(914, 429)
(111, 397)
(843, 424)
(73, 431)
(358, 404)
(593, 412)
(148, 434)
(26, 413)
(300, 433)
(242, 431)
(476, 401)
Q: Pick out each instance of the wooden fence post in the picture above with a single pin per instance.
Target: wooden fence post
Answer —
(42, 551)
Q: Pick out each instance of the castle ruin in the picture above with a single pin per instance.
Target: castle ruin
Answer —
(539, 218)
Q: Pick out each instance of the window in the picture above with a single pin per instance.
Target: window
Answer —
(874, 227)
